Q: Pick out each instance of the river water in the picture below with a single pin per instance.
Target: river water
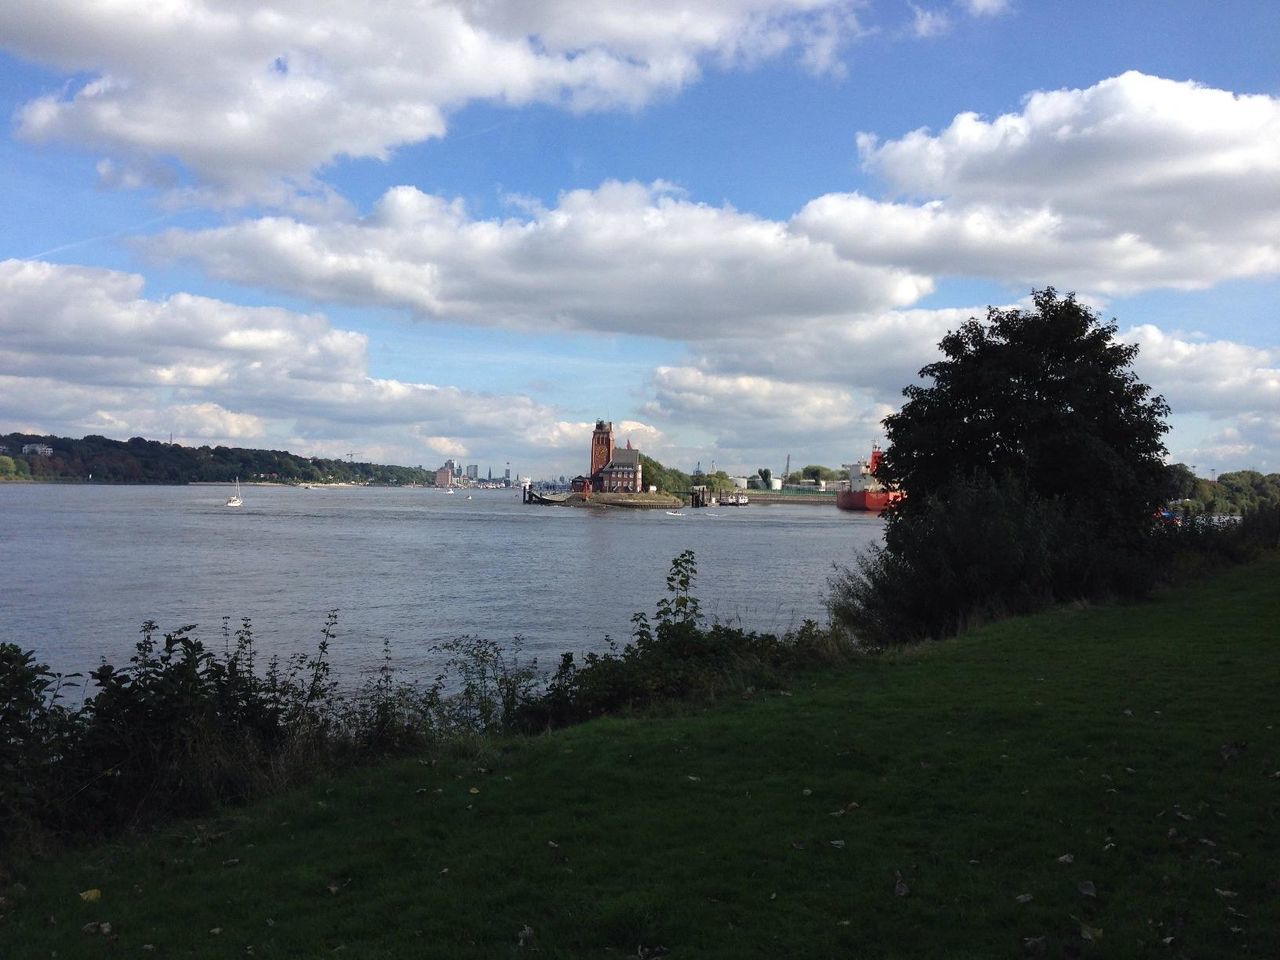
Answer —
(83, 566)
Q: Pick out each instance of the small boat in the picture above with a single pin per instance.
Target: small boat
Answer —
(468, 496)
(674, 513)
(234, 500)
(450, 491)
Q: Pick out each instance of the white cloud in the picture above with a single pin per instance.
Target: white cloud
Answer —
(285, 87)
(985, 8)
(84, 352)
(1133, 183)
(1217, 377)
(750, 416)
(622, 258)
(928, 23)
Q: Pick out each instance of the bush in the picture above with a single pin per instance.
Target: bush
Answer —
(976, 550)
(675, 658)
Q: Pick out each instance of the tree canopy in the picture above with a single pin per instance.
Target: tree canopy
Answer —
(1031, 463)
(1045, 397)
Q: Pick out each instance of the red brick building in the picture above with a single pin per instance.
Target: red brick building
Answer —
(612, 470)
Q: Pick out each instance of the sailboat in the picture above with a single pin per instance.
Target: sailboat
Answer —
(234, 500)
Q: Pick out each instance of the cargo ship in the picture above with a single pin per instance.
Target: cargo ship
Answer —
(865, 492)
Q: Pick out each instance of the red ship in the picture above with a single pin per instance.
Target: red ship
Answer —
(865, 492)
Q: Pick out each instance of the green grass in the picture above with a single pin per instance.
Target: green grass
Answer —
(1140, 740)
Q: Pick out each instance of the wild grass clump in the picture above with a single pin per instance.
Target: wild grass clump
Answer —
(676, 657)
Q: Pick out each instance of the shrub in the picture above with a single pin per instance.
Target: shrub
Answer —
(976, 550)
(673, 658)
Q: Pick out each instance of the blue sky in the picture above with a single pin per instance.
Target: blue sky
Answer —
(737, 229)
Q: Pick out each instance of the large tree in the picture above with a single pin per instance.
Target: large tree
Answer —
(1031, 460)
(1046, 398)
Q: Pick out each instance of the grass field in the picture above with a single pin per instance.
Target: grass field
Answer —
(1090, 782)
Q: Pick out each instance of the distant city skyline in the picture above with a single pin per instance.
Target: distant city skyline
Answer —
(735, 228)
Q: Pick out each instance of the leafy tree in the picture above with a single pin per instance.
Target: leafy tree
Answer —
(1031, 467)
(718, 482)
(816, 471)
(666, 479)
(1183, 484)
(6, 466)
(1046, 397)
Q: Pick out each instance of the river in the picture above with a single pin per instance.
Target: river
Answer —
(85, 565)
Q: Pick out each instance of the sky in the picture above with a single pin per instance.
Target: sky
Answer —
(428, 229)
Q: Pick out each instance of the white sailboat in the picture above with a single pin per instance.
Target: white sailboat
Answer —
(234, 500)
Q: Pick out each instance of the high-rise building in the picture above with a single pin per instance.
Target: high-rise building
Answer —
(473, 471)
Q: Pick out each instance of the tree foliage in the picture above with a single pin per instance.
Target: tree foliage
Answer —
(1031, 463)
(1045, 396)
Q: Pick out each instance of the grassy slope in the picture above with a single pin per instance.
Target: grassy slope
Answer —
(975, 765)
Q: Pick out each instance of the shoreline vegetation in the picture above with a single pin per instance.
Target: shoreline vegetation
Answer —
(1088, 779)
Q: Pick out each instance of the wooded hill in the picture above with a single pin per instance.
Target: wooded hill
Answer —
(152, 461)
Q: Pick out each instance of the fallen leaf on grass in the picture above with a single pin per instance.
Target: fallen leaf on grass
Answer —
(1066, 858)
(1034, 945)
(524, 936)
(693, 778)
(900, 888)
(96, 927)
(1024, 898)
(1225, 893)
(838, 844)
(1086, 888)
(232, 862)
(216, 930)
(91, 896)
(1092, 934)
(474, 790)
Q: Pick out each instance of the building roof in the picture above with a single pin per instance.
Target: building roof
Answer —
(624, 458)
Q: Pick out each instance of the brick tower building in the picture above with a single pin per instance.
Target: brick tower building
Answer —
(601, 446)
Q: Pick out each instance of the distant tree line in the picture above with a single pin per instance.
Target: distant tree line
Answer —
(671, 480)
(1232, 493)
(152, 461)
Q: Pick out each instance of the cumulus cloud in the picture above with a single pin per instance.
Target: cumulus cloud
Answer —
(985, 8)
(1217, 377)
(84, 352)
(751, 415)
(625, 257)
(285, 87)
(1132, 183)
(928, 23)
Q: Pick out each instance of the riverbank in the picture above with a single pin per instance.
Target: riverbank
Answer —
(1086, 782)
(600, 501)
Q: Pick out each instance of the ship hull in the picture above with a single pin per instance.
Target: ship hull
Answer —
(866, 501)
